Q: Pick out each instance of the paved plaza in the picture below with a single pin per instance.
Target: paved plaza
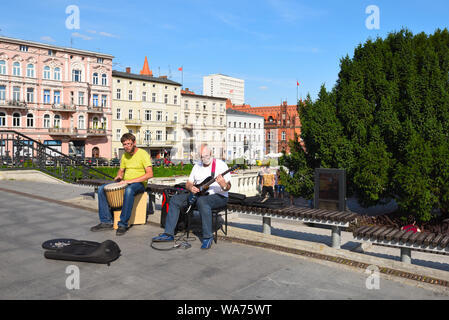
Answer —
(228, 270)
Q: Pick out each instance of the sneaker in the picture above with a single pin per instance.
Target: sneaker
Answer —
(102, 227)
(121, 231)
(163, 238)
(207, 243)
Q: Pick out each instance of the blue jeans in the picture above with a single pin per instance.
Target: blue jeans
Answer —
(104, 210)
(204, 204)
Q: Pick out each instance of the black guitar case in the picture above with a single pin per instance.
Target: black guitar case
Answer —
(81, 250)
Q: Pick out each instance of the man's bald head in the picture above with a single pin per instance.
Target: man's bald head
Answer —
(205, 154)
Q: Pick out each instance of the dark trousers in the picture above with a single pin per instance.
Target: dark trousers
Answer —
(266, 189)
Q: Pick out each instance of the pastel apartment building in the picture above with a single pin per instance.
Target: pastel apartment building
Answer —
(56, 95)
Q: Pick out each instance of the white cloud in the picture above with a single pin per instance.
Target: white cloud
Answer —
(263, 88)
(107, 34)
(81, 36)
(47, 39)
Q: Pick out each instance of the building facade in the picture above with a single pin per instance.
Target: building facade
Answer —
(150, 108)
(281, 123)
(56, 95)
(219, 85)
(203, 121)
(245, 136)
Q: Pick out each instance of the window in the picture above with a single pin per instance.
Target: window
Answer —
(2, 119)
(95, 100)
(81, 122)
(104, 99)
(57, 74)
(166, 98)
(2, 93)
(16, 69)
(147, 115)
(16, 120)
(95, 78)
(47, 72)
(159, 135)
(130, 114)
(30, 94)
(158, 115)
(47, 121)
(95, 123)
(2, 67)
(283, 135)
(186, 105)
(76, 75)
(118, 94)
(30, 120)
(147, 135)
(23, 48)
(144, 96)
(175, 117)
(119, 114)
(104, 79)
(81, 98)
(46, 96)
(51, 52)
(57, 121)
(16, 93)
(30, 70)
(99, 60)
(175, 100)
(153, 98)
(118, 134)
(130, 95)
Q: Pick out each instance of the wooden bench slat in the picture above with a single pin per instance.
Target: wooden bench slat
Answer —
(419, 241)
(390, 235)
(376, 234)
(399, 235)
(412, 239)
(359, 230)
(444, 242)
(350, 216)
(406, 236)
(370, 233)
(429, 239)
(382, 235)
(437, 239)
(337, 216)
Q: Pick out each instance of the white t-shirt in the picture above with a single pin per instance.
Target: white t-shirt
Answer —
(200, 173)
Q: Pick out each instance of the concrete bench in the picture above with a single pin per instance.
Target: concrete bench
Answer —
(405, 240)
(335, 219)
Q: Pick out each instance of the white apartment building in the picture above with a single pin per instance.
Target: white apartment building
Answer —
(245, 137)
(203, 120)
(219, 85)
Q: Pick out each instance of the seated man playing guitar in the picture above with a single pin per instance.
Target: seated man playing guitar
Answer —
(217, 197)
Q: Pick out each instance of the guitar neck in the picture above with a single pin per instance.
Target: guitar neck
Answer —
(213, 180)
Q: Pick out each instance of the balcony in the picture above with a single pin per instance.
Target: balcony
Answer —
(63, 108)
(14, 104)
(170, 124)
(95, 109)
(133, 122)
(62, 131)
(96, 132)
(156, 143)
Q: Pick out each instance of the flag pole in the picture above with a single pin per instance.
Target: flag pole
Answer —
(297, 99)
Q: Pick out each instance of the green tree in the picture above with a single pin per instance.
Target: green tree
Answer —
(386, 121)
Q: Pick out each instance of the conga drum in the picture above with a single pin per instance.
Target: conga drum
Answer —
(115, 192)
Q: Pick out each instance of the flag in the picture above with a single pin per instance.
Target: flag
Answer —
(297, 83)
(231, 91)
(180, 69)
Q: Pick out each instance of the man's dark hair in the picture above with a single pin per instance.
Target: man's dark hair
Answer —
(128, 136)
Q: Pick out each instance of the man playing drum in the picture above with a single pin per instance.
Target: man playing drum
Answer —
(135, 170)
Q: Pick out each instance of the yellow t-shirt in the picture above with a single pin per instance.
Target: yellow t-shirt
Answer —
(135, 165)
(268, 180)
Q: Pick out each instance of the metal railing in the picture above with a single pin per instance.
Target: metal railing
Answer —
(18, 151)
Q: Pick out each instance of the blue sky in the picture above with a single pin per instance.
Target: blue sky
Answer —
(269, 43)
